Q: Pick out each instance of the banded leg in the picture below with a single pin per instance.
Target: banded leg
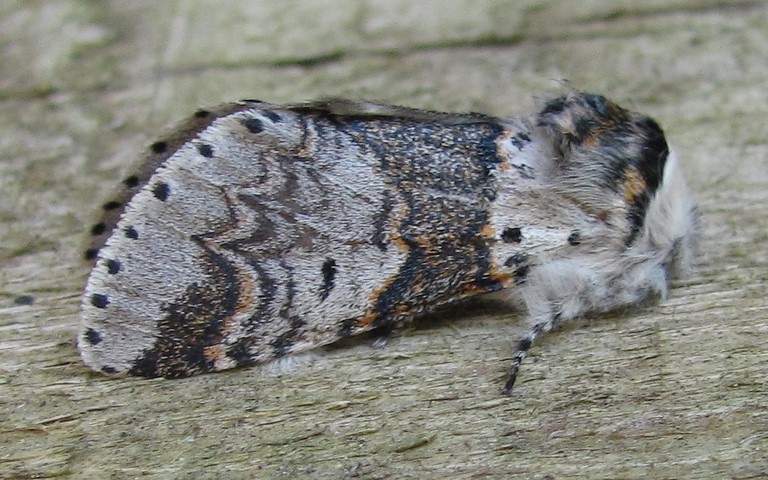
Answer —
(524, 345)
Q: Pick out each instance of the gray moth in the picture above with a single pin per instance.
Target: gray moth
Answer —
(254, 231)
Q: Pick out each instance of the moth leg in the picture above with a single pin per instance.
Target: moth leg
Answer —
(388, 330)
(524, 345)
(383, 336)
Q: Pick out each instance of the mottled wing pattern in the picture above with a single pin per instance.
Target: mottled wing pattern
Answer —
(272, 230)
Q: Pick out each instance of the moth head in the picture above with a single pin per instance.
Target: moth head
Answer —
(617, 165)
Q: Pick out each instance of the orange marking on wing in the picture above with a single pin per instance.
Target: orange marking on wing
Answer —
(488, 231)
(245, 302)
(503, 278)
(367, 320)
(504, 153)
(213, 353)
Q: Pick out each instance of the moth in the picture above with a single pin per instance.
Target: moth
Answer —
(254, 230)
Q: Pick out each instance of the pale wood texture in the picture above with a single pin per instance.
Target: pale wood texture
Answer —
(677, 390)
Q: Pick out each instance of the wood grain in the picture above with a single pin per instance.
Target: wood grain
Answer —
(677, 390)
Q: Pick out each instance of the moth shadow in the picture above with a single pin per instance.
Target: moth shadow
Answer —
(446, 316)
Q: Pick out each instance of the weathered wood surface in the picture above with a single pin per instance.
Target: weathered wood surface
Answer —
(671, 391)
